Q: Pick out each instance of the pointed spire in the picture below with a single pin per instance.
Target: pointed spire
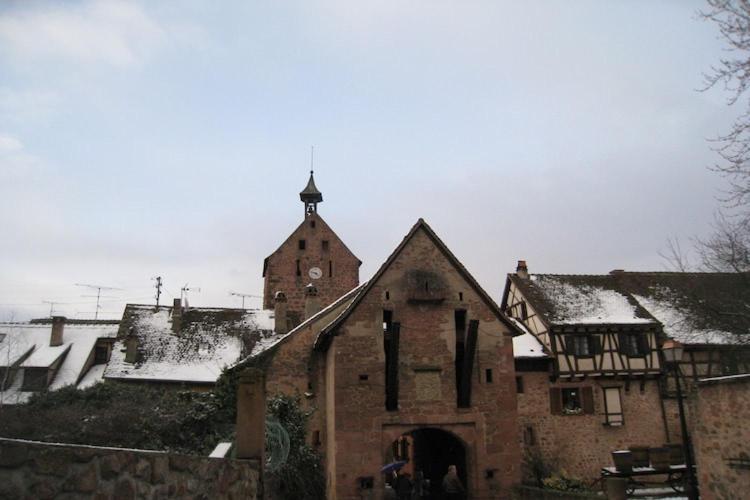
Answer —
(310, 196)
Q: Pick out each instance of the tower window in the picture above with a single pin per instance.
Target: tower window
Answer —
(299, 272)
(488, 375)
(325, 245)
(302, 244)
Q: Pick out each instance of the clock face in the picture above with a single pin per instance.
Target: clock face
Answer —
(315, 273)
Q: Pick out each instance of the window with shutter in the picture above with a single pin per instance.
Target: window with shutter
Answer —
(634, 344)
(596, 344)
(555, 401)
(587, 397)
(571, 401)
(579, 345)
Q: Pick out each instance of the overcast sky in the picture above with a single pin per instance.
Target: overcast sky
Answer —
(172, 138)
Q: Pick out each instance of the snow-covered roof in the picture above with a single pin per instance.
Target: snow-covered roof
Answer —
(19, 339)
(571, 299)
(32, 339)
(680, 323)
(209, 340)
(92, 377)
(45, 356)
(694, 308)
(526, 345)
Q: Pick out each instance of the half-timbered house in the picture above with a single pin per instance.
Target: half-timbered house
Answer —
(597, 388)
(602, 336)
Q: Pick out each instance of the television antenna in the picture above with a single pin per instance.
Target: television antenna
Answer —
(52, 305)
(244, 296)
(184, 293)
(98, 295)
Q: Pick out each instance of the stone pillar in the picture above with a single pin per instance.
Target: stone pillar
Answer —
(56, 336)
(176, 315)
(312, 303)
(281, 322)
(251, 416)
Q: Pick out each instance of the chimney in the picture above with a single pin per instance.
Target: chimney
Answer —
(131, 346)
(312, 304)
(176, 315)
(279, 312)
(522, 271)
(56, 337)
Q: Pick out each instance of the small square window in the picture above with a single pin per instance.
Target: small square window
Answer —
(529, 439)
(312, 224)
(302, 244)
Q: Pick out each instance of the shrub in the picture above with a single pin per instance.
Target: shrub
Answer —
(560, 481)
(301, 476)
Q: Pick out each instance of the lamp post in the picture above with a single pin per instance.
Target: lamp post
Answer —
(672, 355)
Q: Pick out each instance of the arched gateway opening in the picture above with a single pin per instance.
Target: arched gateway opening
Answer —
(428, 453)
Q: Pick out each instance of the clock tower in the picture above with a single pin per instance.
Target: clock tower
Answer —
(312, 254)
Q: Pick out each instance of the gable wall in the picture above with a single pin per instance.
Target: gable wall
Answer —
(281, 271)
(365, 430)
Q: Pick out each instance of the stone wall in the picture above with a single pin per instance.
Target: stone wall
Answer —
(721, 437)
(33, 470)
(581, 444)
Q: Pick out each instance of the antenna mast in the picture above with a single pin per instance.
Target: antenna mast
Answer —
(52, 305)
(184, 292)
(244, 296)
(98, 295)
(158, 289)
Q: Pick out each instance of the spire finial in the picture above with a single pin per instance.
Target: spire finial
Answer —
(310, 196)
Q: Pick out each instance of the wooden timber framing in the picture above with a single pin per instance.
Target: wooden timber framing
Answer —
(606, 356)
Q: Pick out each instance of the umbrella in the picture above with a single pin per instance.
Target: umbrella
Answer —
(393, 466)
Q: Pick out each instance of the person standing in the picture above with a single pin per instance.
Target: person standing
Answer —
(452, 486)
(403, 486)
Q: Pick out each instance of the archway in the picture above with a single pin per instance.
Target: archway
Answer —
(428, 452)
